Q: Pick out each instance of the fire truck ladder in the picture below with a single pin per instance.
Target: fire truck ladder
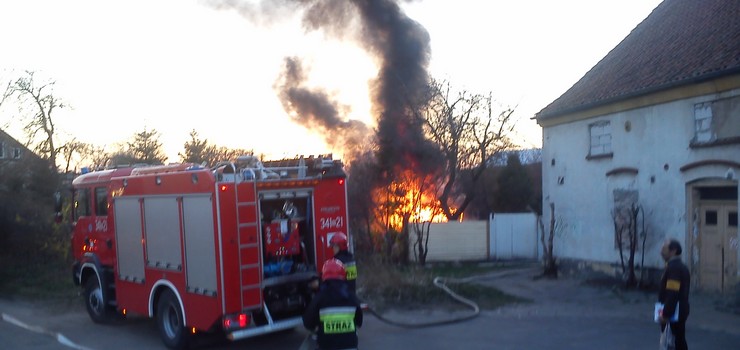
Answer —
(249, 244)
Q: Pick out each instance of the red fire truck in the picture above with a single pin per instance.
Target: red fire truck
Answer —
(228, 249)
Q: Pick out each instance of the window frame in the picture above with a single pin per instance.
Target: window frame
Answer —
(606, 133)
(712, 121)
(81, 196)
(101, 201)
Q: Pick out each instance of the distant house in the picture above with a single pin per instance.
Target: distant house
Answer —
(10, 149)
(655, 123)
(14, 156)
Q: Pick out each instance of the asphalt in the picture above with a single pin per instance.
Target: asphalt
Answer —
(564, 313)
(574, 296)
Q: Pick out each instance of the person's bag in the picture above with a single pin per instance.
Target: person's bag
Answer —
(667, 340)
(659, 312)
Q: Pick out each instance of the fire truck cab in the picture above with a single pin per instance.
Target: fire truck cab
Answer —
(231, 249)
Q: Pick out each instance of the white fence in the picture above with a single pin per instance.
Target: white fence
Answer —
(503, 236)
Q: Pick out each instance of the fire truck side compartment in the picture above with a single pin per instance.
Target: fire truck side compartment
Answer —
(128, 239)
(200, 258)
(161, 220)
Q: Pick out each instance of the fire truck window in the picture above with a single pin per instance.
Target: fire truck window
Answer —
(82, 202)
(101, 201)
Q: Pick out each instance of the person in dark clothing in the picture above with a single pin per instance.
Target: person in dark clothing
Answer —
(674, 292)
(334, 312)
(339, 245)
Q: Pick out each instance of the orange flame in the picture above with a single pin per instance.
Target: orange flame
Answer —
(408, 199)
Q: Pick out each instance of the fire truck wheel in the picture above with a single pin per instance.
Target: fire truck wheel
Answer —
(170, 321)
(96, 308)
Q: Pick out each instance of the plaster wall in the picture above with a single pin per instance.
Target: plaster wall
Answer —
(654, 141)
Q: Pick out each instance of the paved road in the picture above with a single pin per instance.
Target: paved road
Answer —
(565, 315)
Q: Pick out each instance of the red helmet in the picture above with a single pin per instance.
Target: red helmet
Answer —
(339, 239)
(333, 269)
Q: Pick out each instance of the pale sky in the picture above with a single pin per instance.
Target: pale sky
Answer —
(178, 65)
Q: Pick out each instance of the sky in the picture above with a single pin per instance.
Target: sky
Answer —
(179, 65)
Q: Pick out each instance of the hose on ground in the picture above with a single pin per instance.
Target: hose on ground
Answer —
(441, 283)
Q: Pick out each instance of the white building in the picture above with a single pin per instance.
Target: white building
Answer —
(656, 123)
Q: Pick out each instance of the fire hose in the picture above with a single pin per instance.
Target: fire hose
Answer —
(439, 282)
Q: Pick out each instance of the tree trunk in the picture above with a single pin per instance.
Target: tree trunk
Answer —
(550, 267)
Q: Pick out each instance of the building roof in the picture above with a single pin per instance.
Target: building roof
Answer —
(681, 42)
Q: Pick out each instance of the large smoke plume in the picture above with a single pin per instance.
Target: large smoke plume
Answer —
(400, 46)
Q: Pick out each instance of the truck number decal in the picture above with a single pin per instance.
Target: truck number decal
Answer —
(330, 223)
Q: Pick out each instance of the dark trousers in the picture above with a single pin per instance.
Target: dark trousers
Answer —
(679, 332)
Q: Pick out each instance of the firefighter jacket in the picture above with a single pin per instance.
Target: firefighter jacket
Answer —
(348, 260)
(335, 314)
(674, 289)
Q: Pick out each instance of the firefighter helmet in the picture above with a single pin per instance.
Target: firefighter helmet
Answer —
(339, 239)
(333, 269)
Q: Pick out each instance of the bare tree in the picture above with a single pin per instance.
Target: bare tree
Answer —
(548, 257)
(424, 209)
(75, 151)
(629, 227)
(468, 130)
(36, 102)
(363, 170)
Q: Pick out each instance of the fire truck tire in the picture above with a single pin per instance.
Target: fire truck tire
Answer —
(97, 309)
(170, 321)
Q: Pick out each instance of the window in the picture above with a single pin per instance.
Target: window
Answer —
(710, 218)
(82, 203)
(101, 201)
(16, 153)
(714, 123)
(601, 139)
(2, 150)
(703, 122)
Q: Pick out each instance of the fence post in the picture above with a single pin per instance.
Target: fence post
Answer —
(488, 237)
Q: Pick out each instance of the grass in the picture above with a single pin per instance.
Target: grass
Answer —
(41, 280)
(387, 286)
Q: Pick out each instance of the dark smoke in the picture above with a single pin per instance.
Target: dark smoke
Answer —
(400, 45)
(315, 109)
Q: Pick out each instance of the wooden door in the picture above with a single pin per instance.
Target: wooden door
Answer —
(718, 246)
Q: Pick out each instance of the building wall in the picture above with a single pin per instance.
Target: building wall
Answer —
(655, 141)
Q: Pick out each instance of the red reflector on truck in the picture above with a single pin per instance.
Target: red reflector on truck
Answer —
(236, 321)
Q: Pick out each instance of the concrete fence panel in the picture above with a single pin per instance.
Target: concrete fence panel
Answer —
(513, 236)
(456, 241)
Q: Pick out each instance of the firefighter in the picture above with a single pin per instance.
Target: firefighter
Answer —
(339, 245)
(674, 292)
(334, 312)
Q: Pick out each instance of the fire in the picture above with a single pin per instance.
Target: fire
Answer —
(408, 199)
